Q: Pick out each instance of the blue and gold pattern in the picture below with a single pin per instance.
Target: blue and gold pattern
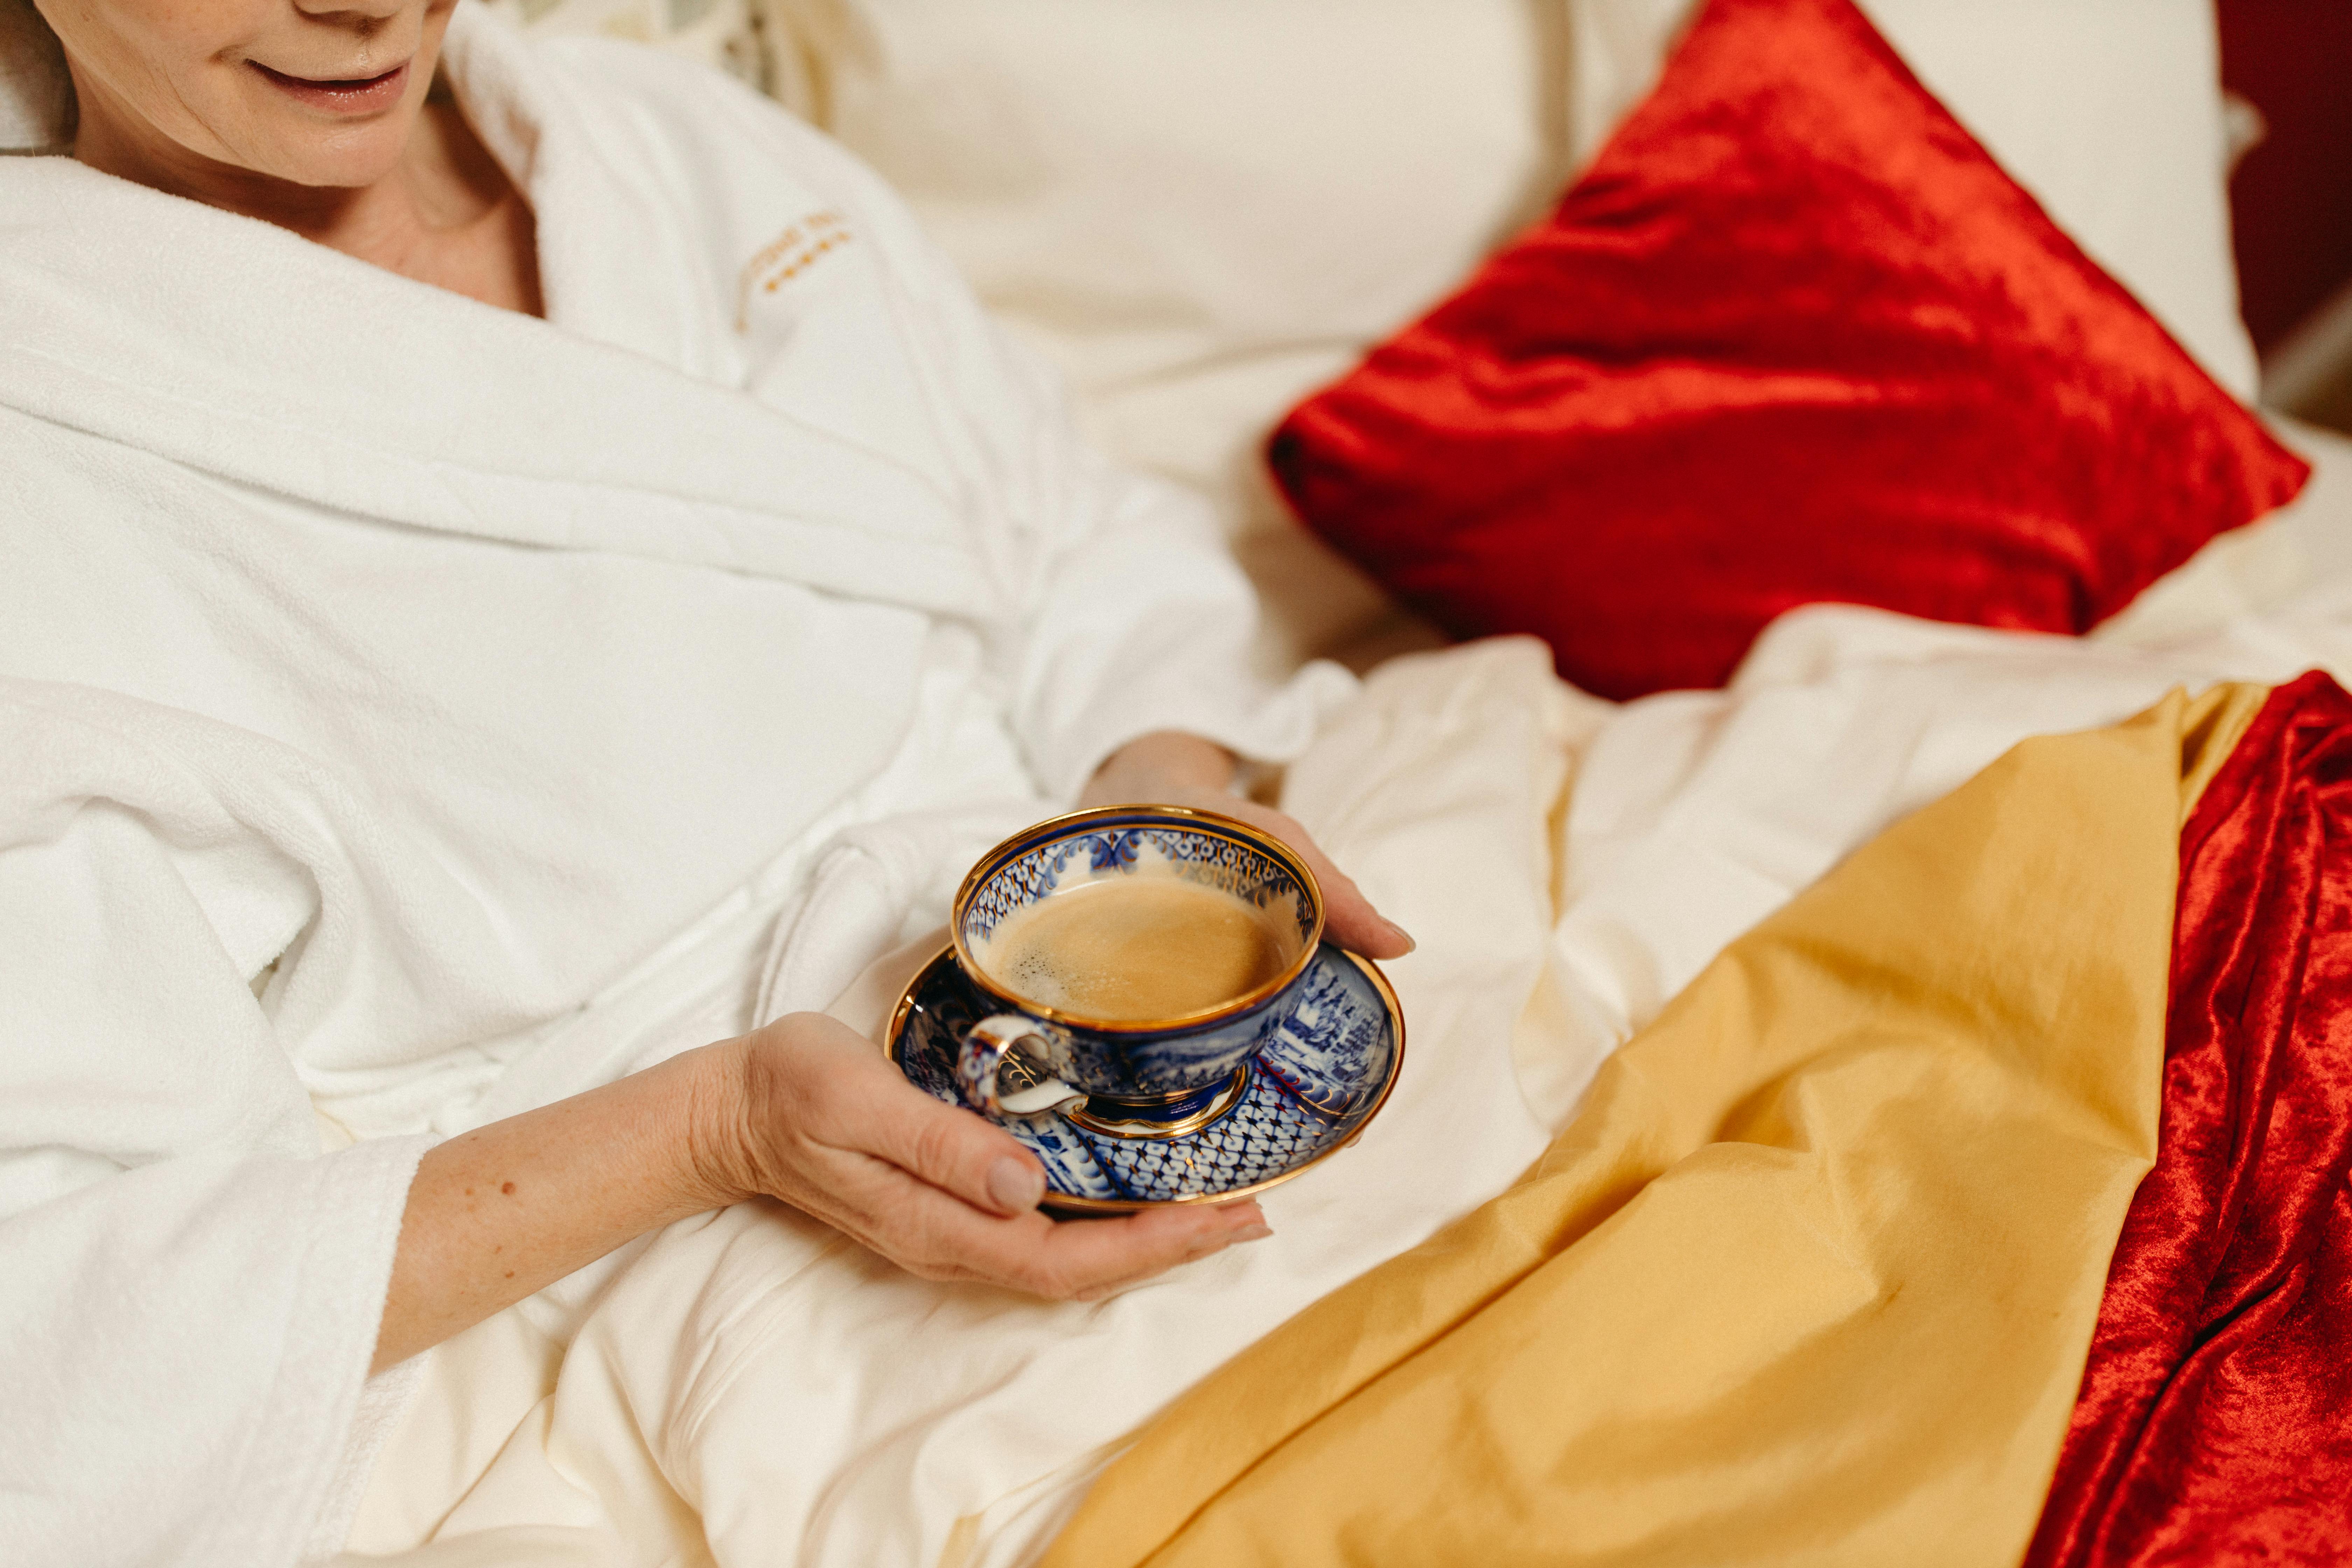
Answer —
(1321, 1051)
(1325, 1072)
(1138, 1066)
(1146, 1063)
(1029, 869)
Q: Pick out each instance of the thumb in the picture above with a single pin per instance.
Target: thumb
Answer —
(946, 1146)
(1349, 919)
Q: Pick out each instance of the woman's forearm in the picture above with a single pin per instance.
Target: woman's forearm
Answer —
(804, 1109)
(503, 1211)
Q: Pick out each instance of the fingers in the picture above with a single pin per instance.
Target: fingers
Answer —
(1348, 917)
(1076, 1259)
(961, 1155)
(942, 1192)
(971, 1209)
(1201, 1232)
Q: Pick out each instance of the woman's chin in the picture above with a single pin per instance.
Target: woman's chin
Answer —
(334, 157)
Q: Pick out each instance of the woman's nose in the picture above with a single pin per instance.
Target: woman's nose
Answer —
(370, 12)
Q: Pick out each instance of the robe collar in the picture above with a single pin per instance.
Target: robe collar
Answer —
(243, 351)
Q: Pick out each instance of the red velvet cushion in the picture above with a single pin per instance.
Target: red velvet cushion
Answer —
(1795, 338)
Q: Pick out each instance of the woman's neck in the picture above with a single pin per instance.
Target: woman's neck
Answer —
(446, 213)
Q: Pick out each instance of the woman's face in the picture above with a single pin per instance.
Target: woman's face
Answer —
(311, 91)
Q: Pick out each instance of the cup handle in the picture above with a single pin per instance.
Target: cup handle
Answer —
(982, 1054)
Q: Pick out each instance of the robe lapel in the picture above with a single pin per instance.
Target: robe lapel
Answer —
(242, 350)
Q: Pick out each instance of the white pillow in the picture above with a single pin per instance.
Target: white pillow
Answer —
(1202, 209)
(2110, 112)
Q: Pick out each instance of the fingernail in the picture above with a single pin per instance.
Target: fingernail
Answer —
(1401, 935)
(1253, 1233)
(1015, 1185)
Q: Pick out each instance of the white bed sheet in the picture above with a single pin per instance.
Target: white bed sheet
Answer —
(1568, 865)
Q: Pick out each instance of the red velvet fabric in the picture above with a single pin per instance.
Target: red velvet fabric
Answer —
(2214, 1424)
(1794, 338)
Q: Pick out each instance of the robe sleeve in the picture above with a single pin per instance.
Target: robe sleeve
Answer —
(1138, 619)
(1125, 611)
(190, 1291)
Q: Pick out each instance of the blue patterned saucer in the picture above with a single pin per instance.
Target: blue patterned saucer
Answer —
(1325, 1073)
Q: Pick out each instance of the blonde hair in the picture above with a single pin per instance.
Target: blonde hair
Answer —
(36, 96)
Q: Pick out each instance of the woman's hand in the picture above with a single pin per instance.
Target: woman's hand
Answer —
(1171, 769)
(806, 1110)
(823, 1122)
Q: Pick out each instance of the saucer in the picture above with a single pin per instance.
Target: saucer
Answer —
(1325, 1073)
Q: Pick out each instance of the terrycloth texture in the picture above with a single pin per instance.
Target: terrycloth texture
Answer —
(1795, 338)
(415, 711)
(1885, 1142)
(2215, 1422)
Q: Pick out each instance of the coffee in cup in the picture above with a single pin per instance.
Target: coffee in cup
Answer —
(1136, 949)
(1141, 956)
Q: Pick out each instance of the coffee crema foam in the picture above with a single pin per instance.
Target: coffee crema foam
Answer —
(1136, 949)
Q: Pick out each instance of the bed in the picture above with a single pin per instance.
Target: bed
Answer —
(749, 1388)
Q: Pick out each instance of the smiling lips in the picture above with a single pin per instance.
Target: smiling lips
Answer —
(365, 95)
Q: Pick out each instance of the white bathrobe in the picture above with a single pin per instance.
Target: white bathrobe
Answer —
(412, 712)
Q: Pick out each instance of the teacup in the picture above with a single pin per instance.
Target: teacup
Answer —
(1068, 928)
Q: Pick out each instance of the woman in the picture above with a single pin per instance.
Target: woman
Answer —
(512, 563)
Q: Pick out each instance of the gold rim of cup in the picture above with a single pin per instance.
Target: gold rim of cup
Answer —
(1066, 826)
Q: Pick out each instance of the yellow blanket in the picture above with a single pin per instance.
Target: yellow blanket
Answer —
(1812, 1276)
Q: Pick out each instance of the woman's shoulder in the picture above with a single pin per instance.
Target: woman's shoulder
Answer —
(731, 166)
(708, 125)
(674, 85)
